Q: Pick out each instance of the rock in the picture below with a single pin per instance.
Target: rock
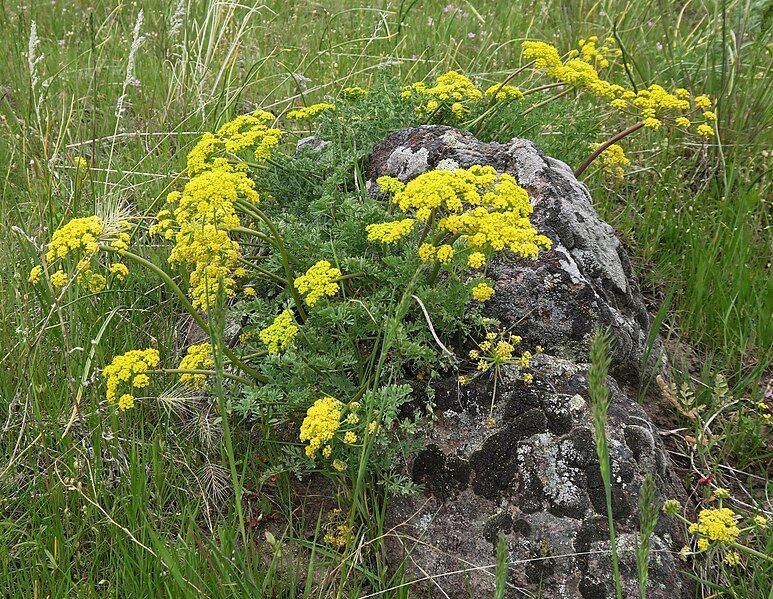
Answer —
(533, 474)
(584, 280)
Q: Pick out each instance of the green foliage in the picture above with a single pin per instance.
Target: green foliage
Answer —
(71, 500)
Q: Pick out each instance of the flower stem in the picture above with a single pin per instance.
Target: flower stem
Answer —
(595, 154)
(186, 304)
(260, 215)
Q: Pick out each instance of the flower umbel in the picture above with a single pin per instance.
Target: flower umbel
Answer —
(321, 423)
(199, 357)
(319, 281)
(130, 370)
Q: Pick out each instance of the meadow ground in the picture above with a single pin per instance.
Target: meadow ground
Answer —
(102, 506)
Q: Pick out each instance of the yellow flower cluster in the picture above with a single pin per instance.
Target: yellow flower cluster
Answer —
(338, 533)
(588, 52)
(503, 93)
(614, 159)
(719, 524)
(476, 259)
(77, 235)
(355, 92)
(544, 55)
(308, 113)
(35, 274)
(200, 217)
(390, 232)
(198, 357)
(486, 211)
(497, 349)
(450, 95)
(120, 270)
(131, 368)
(80, 238)
(320, 425)
(280, 334)
(250, 132)
(204, 213)
(319, 281)
(245, 132)
(482, 292)
(580, 70)
(91, 281)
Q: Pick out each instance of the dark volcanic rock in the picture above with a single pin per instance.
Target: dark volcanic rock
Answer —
(533, 474)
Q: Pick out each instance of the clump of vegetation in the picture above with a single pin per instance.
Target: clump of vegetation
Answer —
(314, 302)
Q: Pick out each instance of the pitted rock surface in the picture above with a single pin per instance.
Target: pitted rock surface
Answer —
(533, 474)
(584, 280)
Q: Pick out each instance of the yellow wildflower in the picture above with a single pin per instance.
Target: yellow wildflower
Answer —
(721, 493)
(280, 334)
(131, 366)
(614, 159)
(703, 101)
(710, 116)
(355, 92)
(350, 438)
(59, 278)
(704, 130)
(482, 292)
(733, 558)
(35, 274)
(476, 259)
(503, 92)
(445, 253)
(119, 270)
(427, 252)
(319, 281)
(79, 234)
(682, 121)
(320, 425)
(390, 232)
(126, 402)
(716, 525)
(198, 357)
(310, 112)
(448, 97)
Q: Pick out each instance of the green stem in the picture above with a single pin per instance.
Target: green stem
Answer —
(547, 101)
(263, 271)
(254, 233)
(186, 304)
(353, 275)
(427, 226)
(610, 518)
(751, 551)
(543, 88)
(260, 215)
(436, 269)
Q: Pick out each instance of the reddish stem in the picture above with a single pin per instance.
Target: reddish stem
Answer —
(595, 154)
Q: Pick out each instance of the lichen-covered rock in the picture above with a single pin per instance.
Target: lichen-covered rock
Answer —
(533, 474)
(584, 280)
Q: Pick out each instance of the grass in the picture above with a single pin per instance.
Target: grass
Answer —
(108, 508)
